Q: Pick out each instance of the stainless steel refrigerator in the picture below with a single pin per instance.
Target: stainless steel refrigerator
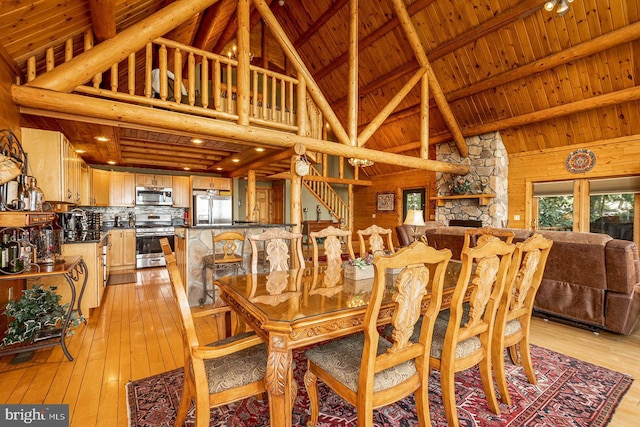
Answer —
(211, 208)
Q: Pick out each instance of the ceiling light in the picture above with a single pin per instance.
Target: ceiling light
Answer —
(362, 163)
(561, 6)
(102, 138)
(281, 2)
(111, 162)
(235, 160)
(259, 149)
(548, 6)
(187, 168)
(232, 53)
(80, 151)
(197, 140)
(218, 169)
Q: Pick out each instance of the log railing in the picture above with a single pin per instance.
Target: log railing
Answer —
(185, 79)
(325, 193)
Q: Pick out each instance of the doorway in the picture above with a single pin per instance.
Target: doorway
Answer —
(413, 198)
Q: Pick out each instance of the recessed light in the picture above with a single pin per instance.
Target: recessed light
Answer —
(80, 151)
(235, 160)
(111, 162)
(218, 169)
(187, 168)
(260, 149)
(197, 140)
(102, 138)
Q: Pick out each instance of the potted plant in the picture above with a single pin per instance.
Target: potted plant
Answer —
(359, 268)
(38, 314)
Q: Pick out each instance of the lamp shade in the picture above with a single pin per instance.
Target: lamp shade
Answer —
(414, 217)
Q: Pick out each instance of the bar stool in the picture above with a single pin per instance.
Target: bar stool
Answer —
(226, 258)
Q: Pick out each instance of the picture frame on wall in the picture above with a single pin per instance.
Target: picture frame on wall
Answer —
(386, 202)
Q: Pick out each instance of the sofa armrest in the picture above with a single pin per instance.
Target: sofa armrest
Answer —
(623, 266)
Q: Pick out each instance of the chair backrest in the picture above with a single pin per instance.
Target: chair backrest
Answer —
(484, 267)
(279, 246)
(186, 320)
(471, 235)
(228, 246)
(423, 272)
(375, 236)
(332, 244)
(525, 275)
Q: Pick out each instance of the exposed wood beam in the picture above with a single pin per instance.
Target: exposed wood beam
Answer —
(613, 98)
(126, 147)
(367, 41)
(436, 89)
(164, 163)
(136, 115)
(331, 180)
(516, 13)
(212, 24)
(103, 18)
(312, 87)
(352, 76)
(231, 29)
(134, 156)
(66, 76)
(151, 144)
(297, 149)
(599, 44)
(335, 6)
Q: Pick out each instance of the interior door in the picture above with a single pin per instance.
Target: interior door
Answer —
(263, 202)
(277, 202)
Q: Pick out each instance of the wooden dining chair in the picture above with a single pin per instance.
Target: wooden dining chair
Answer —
(369, 371)
(282, 249)
(227, 256)
(471, 235)
(379, 240)
(516, 307)
(332, 245)
(218, 373)
(462, 335)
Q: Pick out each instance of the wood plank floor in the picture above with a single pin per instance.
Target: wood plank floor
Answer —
(134, 334)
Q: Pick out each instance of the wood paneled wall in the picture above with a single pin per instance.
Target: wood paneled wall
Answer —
(615, 158)
(9, 115)
(365, 199)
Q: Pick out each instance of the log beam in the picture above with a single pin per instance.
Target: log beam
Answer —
(297, 149)
(66, 76)
(135, 116)
(103, 18)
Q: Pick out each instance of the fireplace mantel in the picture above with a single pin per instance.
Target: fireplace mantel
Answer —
(483, 198)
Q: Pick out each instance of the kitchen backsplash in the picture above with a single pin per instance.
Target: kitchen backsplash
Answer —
(109, 212)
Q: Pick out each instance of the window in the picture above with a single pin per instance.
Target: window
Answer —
(412, 199)
(555, 205)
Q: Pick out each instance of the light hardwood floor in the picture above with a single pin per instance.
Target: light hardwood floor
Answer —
(134, 334)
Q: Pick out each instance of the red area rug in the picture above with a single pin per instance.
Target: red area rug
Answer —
(569, 393)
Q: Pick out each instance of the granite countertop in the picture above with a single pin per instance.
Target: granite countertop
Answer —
(236, 225)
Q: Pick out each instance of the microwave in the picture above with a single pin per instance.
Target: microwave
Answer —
(152, 196)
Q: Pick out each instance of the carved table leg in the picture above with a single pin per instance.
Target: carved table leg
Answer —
(278, 378)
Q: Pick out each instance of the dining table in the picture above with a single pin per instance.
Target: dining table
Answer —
(301, 307)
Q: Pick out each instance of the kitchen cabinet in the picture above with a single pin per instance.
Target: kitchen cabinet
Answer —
(55, 164)
(181, 191)
(148, 180)
(122, 189)
(93, 258)
(180, 249)
(210, 183)
(122, 249)
(100, 186)
(85, 184)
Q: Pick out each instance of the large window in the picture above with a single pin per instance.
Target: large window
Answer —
(555, 205)
(412, 199)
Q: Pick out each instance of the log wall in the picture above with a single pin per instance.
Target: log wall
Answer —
(9, 115)
(365, 199)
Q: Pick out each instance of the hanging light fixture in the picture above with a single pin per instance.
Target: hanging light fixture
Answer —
(362, 163)
(562, 6)
(232, 53)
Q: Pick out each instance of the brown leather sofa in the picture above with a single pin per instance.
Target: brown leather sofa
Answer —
(590, 278)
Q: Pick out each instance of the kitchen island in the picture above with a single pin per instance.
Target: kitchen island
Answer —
(193, 243)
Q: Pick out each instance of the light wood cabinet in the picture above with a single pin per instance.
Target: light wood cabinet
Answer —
(181, 191)
(210, 183)
(55, 164)
(94, 289)
(122, 189)
(100, 186)
(122, 249)
(85, 185)
(149, 180)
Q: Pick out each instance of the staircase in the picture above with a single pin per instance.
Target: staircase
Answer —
(328, 197)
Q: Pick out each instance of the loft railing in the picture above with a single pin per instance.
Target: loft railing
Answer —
(325, 193)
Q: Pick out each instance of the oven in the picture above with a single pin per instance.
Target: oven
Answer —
(149, 230)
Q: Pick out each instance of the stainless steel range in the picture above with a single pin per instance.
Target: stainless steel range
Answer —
(149, 229)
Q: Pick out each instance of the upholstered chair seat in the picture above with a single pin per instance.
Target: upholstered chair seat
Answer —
(342, 359)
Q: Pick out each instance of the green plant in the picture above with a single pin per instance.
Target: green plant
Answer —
(360, 262)
(460, 185)
(37, 310)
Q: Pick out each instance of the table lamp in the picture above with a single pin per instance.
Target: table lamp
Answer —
(414, 219)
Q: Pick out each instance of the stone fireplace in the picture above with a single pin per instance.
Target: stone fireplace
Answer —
(488, 173)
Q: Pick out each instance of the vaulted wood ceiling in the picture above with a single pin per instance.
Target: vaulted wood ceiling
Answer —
(541, 79)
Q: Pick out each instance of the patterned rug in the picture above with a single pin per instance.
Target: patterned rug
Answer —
(569, 393)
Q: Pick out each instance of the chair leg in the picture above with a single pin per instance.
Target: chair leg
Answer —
(501, 376)
(311, 384)
(421, 396)
(487, 384)
(513, 354)
(185, 401)
(527, 364)
(447, 384)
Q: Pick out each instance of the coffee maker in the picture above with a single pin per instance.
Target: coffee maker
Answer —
(71, 223)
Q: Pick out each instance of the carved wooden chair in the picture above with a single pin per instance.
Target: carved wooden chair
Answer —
(332, 245)
(471, 236)
(215, 374)
(282, 249)
(226, 257)
(514, 312)
(379, 240)
(369, 371)
(462, 335)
